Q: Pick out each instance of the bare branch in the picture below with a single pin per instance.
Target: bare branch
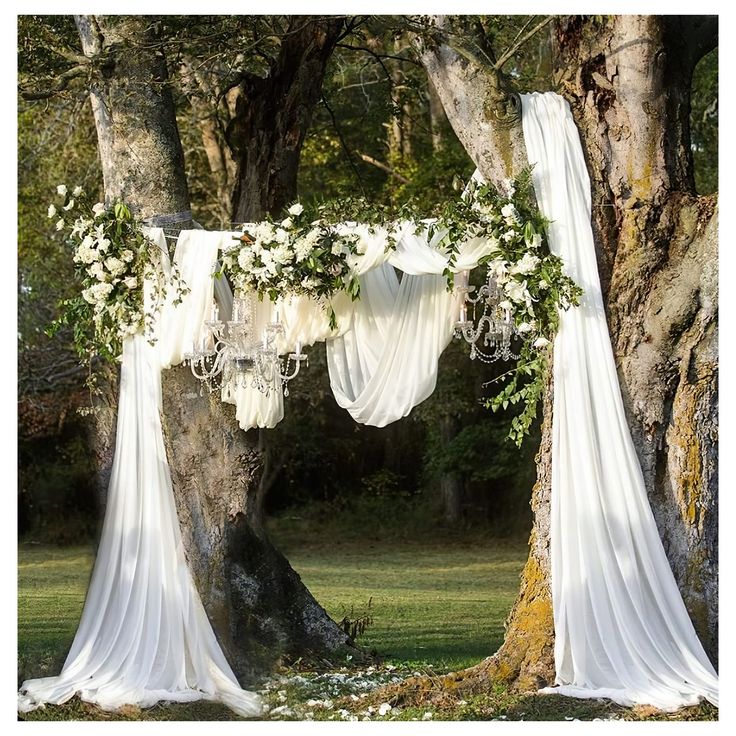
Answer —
(518, 44)
(384, 167)
(61, 83)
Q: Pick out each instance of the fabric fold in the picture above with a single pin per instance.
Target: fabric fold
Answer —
(621, 628)
(144, 635)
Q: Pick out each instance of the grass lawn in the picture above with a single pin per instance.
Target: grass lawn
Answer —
(434, 607)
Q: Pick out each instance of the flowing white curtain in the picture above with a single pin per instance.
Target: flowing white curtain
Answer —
(621, 628)
(144, 635)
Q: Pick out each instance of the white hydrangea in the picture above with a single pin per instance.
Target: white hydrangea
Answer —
(308, 283)
(264, 232)
(543, 284)
(127, 255)
(131, 282)
(281, 236)
(98, 293)
(525, 265)
(283, 254)
(97, 270)
(115, 266)
(245, 259)
(302, 248)
(296, 209)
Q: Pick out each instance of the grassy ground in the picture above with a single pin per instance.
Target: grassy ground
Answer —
(434, 607)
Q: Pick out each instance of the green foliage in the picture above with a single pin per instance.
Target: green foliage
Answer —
(704, 123)
(113, 261)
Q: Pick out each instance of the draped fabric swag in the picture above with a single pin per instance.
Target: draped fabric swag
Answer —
(622, 630)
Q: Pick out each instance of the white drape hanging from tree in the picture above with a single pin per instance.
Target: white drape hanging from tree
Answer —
(621, 628)
(144, 635)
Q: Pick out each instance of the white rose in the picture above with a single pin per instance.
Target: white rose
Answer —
(540, 342)
(526, 264)
(69, 205)
(281, 236)
(128, 255)
(61, 190)
(52, 211)
(510, 213)
(524, 327)
(77, 191)
(296, 209)
(60, 225)
(98, 209)
(287, 223)
(506, 305)
(131, 282)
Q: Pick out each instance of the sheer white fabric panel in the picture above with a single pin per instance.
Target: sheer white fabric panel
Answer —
(621, 628)
(144, 635)
(386, 362)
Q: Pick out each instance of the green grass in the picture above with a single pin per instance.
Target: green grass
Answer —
(443, 605)
(435, 607)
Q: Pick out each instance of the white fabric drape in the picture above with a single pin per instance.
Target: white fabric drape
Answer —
(621, 628)
(144, 635)
(386, 362)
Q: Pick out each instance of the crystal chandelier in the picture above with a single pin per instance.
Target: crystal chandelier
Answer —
(495, 323)
(231, 353)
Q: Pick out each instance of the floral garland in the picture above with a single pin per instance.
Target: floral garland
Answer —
(113, 259)
(532, 279)
(316, 254)
(297, 255)
(306, 253)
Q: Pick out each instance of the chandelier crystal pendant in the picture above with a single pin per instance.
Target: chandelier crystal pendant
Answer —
(494, 323)
(231, 353)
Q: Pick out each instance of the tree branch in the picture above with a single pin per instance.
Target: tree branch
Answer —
(518, 44)
(62, 82)
(384, 167)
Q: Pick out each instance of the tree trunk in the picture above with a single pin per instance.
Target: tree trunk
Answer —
(628, 81)
(272, 116)
(259, 608)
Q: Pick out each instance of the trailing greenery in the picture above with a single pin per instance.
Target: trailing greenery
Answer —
(124, 279)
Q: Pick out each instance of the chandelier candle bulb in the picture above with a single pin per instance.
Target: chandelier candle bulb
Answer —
(215, 313)
(298, 347)
(463, 313)
(236, 310)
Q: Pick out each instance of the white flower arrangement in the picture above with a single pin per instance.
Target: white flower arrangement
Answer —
(113, 259)
(294, 256)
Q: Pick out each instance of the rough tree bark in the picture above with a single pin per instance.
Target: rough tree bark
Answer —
(272, 115)
(258, 606)
(627, 79)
